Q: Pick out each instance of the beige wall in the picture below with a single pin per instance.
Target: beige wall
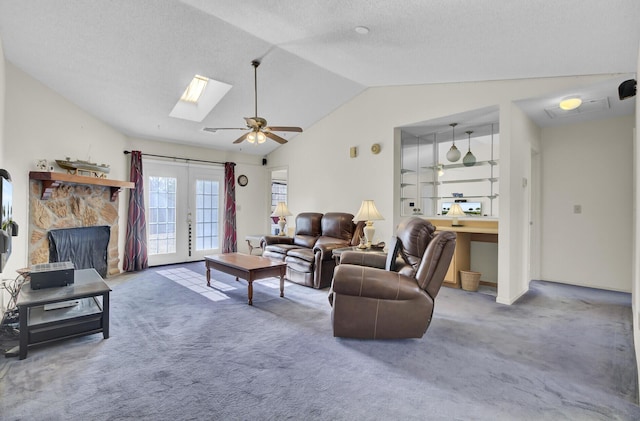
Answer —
(323, 177)
(40, 124)
(588, 165)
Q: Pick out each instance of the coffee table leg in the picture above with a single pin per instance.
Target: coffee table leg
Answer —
(282, 284)
(208, 275)
(250, 291)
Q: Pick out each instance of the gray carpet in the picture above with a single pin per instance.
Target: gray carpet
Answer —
(560, 353)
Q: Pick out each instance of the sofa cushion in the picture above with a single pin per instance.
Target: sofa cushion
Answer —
(308, 229)
(338, 225)
(299, 264)
(280, 248)
(306, 241)
(302, 254)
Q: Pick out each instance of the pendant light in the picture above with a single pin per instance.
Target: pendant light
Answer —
(469, 160)
(454, 154)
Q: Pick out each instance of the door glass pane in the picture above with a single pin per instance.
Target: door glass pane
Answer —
(162, 215)
(207, 200)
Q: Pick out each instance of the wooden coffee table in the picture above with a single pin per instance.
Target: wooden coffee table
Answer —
(251, 268)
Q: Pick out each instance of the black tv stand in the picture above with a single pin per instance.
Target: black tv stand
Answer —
(89, 315)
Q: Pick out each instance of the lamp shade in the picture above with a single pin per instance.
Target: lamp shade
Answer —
(281, 210)
(454, 212)
(368, 212)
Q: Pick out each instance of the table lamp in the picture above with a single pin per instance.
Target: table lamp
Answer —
(368, 213)
(454, 212)
(281, 211)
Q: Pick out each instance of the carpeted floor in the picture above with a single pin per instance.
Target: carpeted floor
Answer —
(560, 353)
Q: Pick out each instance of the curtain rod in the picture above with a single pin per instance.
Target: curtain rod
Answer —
(175, 157)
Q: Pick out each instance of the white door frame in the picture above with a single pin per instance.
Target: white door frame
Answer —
(186, 175)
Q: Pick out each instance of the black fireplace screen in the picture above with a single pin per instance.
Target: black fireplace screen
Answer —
(86, 247)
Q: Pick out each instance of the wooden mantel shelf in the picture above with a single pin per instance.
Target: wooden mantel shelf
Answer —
(52, 180)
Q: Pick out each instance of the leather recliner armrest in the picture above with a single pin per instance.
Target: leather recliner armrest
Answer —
(362, 281)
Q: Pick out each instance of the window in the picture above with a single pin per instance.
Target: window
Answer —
(162, 215)
(207, 200)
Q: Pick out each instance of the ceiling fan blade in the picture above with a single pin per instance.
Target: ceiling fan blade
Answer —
(241, 138)
(215, 129)
(275, 137)
(284, 129)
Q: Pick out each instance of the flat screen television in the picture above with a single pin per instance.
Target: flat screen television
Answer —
(8, 227)
(469, 208)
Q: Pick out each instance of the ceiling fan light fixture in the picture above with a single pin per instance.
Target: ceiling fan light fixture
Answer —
(569, 104)
(251, 137)
(256, 137)
(362, 30)
(195, 89)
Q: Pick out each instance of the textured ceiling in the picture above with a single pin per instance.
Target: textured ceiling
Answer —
(127, 62)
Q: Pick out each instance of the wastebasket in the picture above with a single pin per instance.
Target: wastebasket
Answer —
(470, 280)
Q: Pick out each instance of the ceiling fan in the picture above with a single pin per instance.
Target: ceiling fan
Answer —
(257, 126)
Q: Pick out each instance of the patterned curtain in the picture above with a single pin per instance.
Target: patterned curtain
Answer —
(135, 255)
(230, 243)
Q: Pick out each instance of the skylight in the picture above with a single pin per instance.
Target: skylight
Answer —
(195, 89)
(199, 98)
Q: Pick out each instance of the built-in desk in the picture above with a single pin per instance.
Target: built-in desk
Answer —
(472, 230)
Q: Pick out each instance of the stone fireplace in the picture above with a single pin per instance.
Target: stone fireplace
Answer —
(57, 205)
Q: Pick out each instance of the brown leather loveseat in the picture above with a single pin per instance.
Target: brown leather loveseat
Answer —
(308, 253)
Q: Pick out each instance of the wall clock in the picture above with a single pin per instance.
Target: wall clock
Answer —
(243, 180)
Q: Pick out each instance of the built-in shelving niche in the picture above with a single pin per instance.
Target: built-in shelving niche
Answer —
(429, 182)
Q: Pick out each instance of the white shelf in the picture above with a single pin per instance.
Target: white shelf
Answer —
(461, 165)
(470, 180)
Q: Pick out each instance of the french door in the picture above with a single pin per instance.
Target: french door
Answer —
(183, 205)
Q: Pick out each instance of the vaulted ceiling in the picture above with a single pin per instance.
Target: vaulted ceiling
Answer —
(127, 62)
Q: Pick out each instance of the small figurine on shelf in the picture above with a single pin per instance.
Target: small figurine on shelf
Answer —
(363, 243)
(42, 165)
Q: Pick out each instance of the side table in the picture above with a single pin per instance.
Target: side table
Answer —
(338, 252)
(90, 314)
(253, 241)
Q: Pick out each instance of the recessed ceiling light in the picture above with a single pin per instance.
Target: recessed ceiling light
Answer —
(569, 104)
(362, 30)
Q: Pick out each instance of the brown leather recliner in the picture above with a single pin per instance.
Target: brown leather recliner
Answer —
(373, 302)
